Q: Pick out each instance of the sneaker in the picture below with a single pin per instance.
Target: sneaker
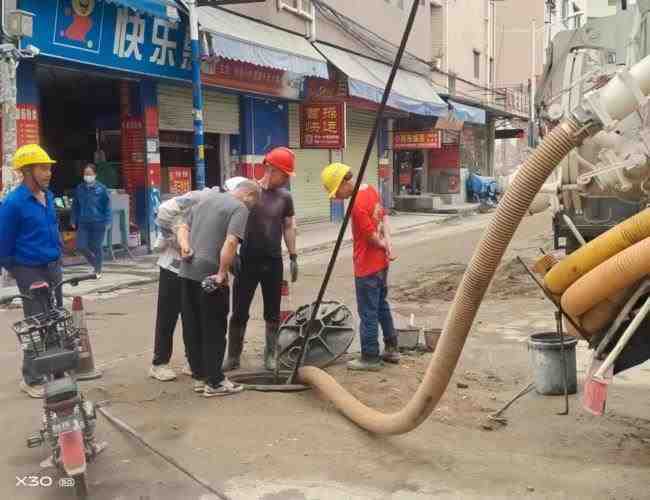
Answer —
(365, 365)
(98, 276)
(33, 391)
(162, 372)
(391, 355)
(198, 386)
(225, 388)
(186, 369)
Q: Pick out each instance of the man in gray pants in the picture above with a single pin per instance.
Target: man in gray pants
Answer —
(30, 245)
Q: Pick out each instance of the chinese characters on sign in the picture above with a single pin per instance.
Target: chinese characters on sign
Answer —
(27, 125)
(322, 126)
(107, 35)
(429, 139)
(245, 76)
(180, 180)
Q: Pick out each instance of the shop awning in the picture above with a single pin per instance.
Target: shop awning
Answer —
(367, 79)
(158, 8)
(468, 113)
(234, 37)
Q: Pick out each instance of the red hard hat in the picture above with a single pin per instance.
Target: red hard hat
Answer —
(283, 159)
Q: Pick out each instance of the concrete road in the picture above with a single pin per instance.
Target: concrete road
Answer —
(295, 446)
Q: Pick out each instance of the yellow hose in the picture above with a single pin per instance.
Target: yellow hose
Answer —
(587, 257)
(469, 295)
(611, 277)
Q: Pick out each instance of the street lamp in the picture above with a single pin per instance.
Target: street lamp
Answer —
(197, 92)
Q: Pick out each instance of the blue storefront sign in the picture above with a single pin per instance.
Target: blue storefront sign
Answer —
(110, 36)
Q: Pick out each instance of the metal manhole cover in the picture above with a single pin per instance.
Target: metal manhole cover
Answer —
(330, 335)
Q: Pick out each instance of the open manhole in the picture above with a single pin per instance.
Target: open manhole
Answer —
(266, 381)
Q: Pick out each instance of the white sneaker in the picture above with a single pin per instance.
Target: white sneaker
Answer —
(33, 391)
(225, 388)
(198, 386)
(162, 372)
(98, 276)
(186, 369)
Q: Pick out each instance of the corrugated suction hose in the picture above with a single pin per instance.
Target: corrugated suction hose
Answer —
(469, 295)
(609, 278)
(598, 250)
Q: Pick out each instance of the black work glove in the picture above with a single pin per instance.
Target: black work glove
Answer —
(294, 267)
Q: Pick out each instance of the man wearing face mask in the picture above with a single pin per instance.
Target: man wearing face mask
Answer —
(30, 245)
(91, 214)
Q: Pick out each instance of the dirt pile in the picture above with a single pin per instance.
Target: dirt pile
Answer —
(441, 283)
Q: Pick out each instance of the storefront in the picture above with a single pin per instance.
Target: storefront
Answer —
(91, 97)
(112, 85)
(360, 81)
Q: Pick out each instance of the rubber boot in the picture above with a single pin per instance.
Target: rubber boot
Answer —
(269, 346)
(235, 346)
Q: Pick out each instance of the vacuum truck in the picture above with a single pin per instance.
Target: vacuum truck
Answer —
(606, 179)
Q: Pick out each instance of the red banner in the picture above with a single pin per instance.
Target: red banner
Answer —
(245, 76)
(27, 128)
(429, 139)
(180, 180)
(322, 125)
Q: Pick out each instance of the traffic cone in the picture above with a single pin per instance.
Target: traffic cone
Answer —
(86, 370)
(286, 307)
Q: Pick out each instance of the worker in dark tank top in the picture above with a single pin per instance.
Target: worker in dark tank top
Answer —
(270, 221)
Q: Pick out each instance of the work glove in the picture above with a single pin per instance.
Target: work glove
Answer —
(294, 267)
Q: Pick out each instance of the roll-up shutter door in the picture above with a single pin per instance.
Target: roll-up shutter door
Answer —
(359, 127)
(309, 197)
(220, 111)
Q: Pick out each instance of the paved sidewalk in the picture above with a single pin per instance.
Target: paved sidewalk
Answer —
(312, 238)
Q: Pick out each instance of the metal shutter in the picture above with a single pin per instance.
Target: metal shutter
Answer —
(309, 197)
(359, 127)
(220, 111)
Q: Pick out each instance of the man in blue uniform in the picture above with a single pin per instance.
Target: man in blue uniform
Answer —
(30, 245)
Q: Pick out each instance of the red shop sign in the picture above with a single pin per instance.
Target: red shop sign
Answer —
(180, 180)
(245, 76)
(322, 125)
(429, 139)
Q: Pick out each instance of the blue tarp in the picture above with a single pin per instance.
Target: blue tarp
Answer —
(158, 8)
(468, 113)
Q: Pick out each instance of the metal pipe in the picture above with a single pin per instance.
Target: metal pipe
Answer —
(197, 97)
(574, 229)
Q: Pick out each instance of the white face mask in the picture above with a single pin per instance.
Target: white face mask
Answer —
(90, 178)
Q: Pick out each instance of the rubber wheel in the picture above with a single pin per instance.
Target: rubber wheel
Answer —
(80, 486)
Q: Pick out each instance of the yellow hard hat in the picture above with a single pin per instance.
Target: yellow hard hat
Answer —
(332, 177)
(31, 154)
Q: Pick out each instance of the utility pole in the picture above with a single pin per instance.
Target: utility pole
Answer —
(197, 96)
(533, 81)
(197, 91)
(8, 65)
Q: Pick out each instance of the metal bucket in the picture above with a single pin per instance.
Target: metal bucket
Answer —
(408, 338)
(545, 356)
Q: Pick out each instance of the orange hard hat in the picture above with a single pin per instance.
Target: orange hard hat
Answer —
(283, 159)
